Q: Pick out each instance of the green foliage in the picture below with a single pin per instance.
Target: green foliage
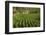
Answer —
(26, 20)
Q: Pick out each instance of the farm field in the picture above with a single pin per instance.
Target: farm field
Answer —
(26, 17)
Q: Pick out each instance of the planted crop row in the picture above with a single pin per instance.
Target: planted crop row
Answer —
(26, 20)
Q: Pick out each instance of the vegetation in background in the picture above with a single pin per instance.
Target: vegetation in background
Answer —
(26, 17)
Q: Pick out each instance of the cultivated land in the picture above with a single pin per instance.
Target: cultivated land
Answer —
(26, 17)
